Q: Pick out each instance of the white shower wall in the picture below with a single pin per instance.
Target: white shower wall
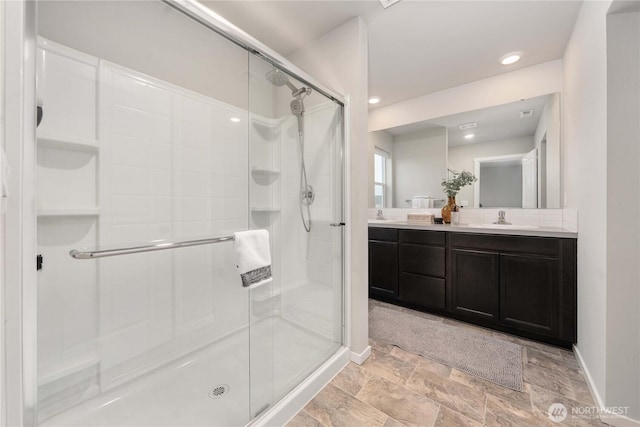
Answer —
(124, 159)
(175, 169)
(141, 160)
(309, 259)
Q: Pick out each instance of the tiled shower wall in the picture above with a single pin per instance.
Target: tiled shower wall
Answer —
(125, 159)
(174, 166)
(310, 261)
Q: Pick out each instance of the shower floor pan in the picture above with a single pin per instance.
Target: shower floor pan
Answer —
(212, 386)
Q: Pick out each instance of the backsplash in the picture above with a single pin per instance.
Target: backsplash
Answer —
(561, 218)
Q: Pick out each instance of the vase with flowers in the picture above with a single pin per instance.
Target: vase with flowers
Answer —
(452, 186)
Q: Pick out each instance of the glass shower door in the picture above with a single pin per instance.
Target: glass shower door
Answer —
(143, 142)
(295, 192)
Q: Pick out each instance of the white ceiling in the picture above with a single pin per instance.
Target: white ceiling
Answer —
(418, 47)
(286, 26)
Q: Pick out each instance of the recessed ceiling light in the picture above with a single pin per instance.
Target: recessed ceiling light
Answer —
(469, 125)
(469, 136)
(374, 100)
(235, 119)
(510, 58)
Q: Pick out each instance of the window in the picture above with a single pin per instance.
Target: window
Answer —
(380, 177)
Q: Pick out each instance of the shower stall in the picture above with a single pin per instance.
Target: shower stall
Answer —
(162, 133)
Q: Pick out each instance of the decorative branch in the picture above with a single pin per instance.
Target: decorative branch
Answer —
(459, 179)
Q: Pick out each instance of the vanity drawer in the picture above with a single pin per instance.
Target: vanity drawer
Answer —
(422, 290)
(499, 243)
(421, 259)
(384, 234)
(435, 238)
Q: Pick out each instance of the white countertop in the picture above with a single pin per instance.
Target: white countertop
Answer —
(513, 230)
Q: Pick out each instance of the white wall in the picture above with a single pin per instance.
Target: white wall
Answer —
(3, 418)
(509, 87)
(340, 60)
(384, 141)
(602, 159)
(461, 158)
(419, 165)
(623, 222)
(585, 170)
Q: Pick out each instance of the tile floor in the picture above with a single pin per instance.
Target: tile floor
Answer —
(395, 388)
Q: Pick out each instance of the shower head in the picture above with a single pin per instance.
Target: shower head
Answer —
(277, 77)
(297, 108)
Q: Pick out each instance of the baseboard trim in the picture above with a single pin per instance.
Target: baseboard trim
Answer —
(359, 358)
(609, 417)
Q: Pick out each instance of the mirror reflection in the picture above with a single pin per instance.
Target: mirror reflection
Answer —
(513, 150)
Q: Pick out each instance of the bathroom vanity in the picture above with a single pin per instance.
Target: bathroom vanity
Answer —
(517, 281)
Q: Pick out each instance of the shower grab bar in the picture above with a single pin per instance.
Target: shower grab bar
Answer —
(146, 248)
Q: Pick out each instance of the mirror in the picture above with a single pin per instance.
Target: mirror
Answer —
(513, 149)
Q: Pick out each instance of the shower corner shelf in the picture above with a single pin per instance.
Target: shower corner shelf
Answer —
(58, 212)
(67, 142)
(265, 172)
(265, 209)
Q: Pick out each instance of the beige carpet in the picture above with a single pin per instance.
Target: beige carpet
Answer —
(483, 356)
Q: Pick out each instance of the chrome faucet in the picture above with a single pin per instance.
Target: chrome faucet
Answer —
(501, 219)
(379, 215)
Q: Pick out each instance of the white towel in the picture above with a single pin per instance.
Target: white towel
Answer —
(253, 257)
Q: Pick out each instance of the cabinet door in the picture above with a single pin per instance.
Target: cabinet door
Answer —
(383, 268)
(475, 284)
(530, 297)
(422, 290)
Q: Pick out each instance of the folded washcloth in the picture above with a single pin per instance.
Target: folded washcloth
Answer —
(253, 257)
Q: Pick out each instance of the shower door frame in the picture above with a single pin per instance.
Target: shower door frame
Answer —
(18, 282)
(215, 22)
(19, 363)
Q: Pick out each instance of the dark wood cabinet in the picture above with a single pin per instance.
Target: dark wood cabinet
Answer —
(523, 285)
(422, 268)
(475, 279)
(424, 291)
(529, 293)
(383, 262)
(518, 284)
(424, 260)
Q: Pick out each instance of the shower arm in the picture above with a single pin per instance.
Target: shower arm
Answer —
(292, 87)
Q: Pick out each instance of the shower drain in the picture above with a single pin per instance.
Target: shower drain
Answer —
(218, 391)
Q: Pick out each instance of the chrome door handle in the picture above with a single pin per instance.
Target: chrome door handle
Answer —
(337, 224)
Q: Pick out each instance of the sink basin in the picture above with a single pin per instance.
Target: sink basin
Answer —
(502, 226)
(382, 221)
